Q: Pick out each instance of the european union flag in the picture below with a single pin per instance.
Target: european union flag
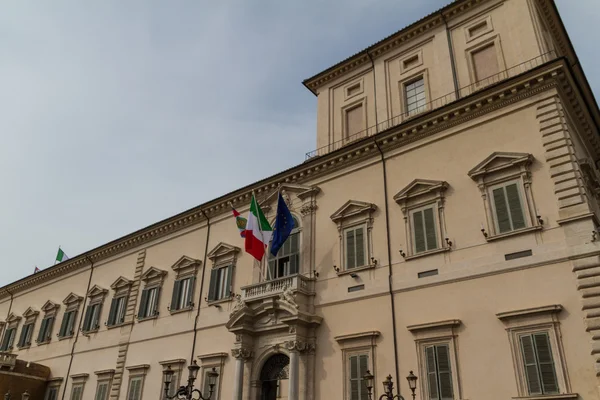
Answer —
(284, 223)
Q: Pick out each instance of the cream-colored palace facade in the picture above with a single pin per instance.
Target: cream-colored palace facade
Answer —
(446, 225)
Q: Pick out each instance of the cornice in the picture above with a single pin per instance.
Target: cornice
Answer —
(473, 106)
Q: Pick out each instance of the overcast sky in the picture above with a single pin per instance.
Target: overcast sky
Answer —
(115, 115)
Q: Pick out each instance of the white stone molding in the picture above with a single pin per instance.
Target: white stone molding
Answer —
(186, 266)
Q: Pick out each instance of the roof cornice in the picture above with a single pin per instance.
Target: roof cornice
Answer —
(477, 104)
(409, 33)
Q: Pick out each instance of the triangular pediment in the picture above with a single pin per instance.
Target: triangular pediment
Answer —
(185, 261)
(72, 298)
(498, 161)
(49, 306)
(222, 250)
(97, 291)
(352, 208)
(420, 187)
(30, 312)
(12, 318)
(120, 282)
(152, 273)
(287, 190)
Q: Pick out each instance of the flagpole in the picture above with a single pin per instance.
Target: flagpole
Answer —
(261, 269)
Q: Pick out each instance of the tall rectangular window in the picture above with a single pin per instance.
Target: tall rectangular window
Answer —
(116, 314)
(206, 386)
(77, 392)
(287, 260)
(45, 330)
(91, 320)
(25, 338)
(220, 283)
(354, 121)
(51, 393)
(424, 230)
(414, 95)
(149, 302)
(182, 294)
(135, 388)
(101, 391)
(68, 324)
(485, 62)
(358, 366)
(540, 373)
(355, 243)
(439, 374)
(508, 208)
(8, 340)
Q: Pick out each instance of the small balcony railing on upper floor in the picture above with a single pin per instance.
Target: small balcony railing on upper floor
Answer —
(7, 360)
(276, 286)
(437, 103)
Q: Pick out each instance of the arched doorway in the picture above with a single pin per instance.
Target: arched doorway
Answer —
(273, 377)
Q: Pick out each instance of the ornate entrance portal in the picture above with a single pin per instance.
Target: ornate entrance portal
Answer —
(274, 376)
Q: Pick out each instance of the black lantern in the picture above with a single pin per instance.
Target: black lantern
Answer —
(186, 392)
(388, 386)
(412, 383)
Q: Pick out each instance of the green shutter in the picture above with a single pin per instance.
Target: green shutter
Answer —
(350, 249)
(42, 333)
(430, 234)
(363, 364)
(23, 336)
(431, 373)
(212, 289)
(96, 316)
(112, 314)
(419, 232)
(354, 390)
(546, 363)
(156, 299)
(63, 325)
(71, 326)
(49, 328)
(5, 340)
(101, 391)
(87, 320)
(191, 291)
(444, 372)
(514, 204)
(175, 296)
(502, 217)
(531, 370)
(143, 304)
(360, 247)
(228, 287)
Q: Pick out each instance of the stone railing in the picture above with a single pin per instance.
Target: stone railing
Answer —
(276, 287)
(7, 360)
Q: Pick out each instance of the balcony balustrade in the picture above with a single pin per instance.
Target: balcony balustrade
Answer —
(7, 360)
(272, 288)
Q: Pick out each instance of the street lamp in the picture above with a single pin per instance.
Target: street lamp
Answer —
(25, 395)
(388, 386)
(186, 392)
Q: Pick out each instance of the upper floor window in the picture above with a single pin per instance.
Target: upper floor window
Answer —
(224, 258)
(185, 280)
(67, 326)
(153, 279)
(422, 203)
(50, 310)
(484, 58)
(355, 222)
(354, 119)
(485, 62)
(93, 311)
(414, 96)
(538, 364)
(287, 261)
(118, 305)
(30, 316)
(12, 323)
(505, 183)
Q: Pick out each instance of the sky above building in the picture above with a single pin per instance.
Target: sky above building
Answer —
(116, 115)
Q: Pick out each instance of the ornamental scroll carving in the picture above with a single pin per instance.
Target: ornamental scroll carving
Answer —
(300, 346)
(288, 297)
(242, 353)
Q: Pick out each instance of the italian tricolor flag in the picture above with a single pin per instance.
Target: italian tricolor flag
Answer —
(258, 231)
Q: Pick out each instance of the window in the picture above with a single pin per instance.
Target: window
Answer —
(424, 229)
(439, 375)
(91, 321)
(538, 363)
(206, 386)
(182, 297)
(78, 386)
(77, 392)
(354, 247)
(67, 328)
(116, 315)
(220, 283)
(153, 280)
(8, 340)
(135, 388)
(505, 183)
(354, 120)
(485, 62)
(177, 367)
(104, 382)
(26, 332)
(508, 208)
(287, 261)
(45, 330)
(209, 362)
(102, 391)
(536, 346)
(358, 365)
(414, 96)
(52, 393)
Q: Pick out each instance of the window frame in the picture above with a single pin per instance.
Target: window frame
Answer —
(104, 377)
(50, 310)
(78, 381)
(153, 279)
(76, 386)
(121, 296)
(418, 73)
(356, 344)
(10, 340)
(296, 231)
(348, 370)
(490, 193)
(207, 363)
(354, 228)
(186, 267)
(438, 241)
(29, 319)
(407, 103)
(137, 372)
(53, 384)
(177, 368)
(478, 46)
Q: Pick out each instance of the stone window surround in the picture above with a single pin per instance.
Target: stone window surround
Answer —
(487, 20)
(53, 383)
(50, 309)
(104, 376)
(71, 302)
(209, 361)
(121, 288)
(432, 333)
(432, 193)
(352, 214)
(356, 344)
(222, 256)
(29, 318)
(78, 380)
(95, 295)
(531, 320)
(355, 84)
(409, 57)
(493, 40)
(185, 267)
(177, 367)
(516, 168)
(362, 102)
(12, 322)
(422, 73)
(153, 278)
(137, 371)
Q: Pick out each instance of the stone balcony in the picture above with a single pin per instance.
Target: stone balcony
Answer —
(274, 288)
(7, 360)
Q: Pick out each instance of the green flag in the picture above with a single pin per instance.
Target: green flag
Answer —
(61, 256)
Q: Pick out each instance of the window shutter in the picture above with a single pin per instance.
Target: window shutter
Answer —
(430, 234)
(87, 320)
(96, 316)
(191, 291)
(514, 204)
(42, 333)
(63, 325)
(49, 326)
(360, 247)
(350, 249)
(444, 372)
(212, 290)
(29, 334)
(175, 296)
(419, 232)
(123, 309)
(431, 373)
(101, 392)
(11, 337)
(546, 363)
(23, 336)
(531, 371)
(71, 326)
(143, 304)
(228, 281)
(502, 217)
(156, 298)
(363, 363)
(354, 393)
(112, 314)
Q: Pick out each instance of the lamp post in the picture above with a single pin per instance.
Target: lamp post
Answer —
(186, 392)
(388, 386)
